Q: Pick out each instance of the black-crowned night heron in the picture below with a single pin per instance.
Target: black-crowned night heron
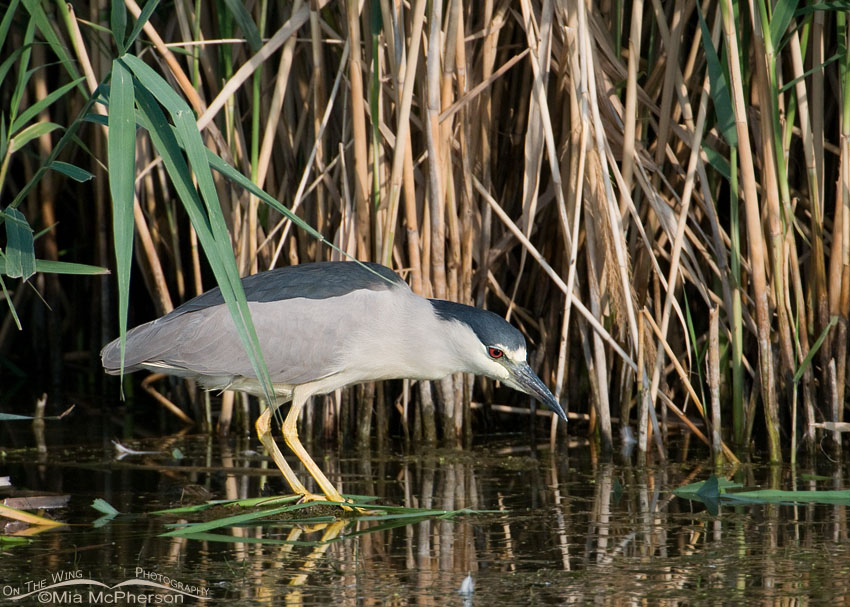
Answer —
(323, 326)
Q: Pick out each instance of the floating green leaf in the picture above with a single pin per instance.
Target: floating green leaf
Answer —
(689, 491)
(104, 507)
(779, 496)
(718, 489)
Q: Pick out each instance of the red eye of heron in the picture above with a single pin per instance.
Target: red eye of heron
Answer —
(495, 352)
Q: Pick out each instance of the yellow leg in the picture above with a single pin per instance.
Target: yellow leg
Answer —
(265, 434)
(290, 435)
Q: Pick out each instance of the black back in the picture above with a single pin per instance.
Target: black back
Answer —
(311, 280)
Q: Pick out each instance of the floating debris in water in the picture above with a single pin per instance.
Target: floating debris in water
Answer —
(123, 451)
(37, 502)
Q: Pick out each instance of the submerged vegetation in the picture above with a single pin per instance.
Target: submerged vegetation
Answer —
(651, 192)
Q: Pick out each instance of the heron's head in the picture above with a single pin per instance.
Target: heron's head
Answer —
(488, 345)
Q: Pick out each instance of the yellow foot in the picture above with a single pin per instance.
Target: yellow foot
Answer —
(346, 504)
(317, 497)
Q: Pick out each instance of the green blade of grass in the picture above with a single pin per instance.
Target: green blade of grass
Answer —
(6, 22)
(815, 347)
(42, 104)
(236, 519)
(69, 170)
(231, 173)
(245, 22)
(783, 12)
(817, 68)
(6, 295)
(45, 26)
(33, 131)
(48, 266)
(4, 145)
(118, 24)
(144, 16)
(215, 239)
(721, 96)
(10, 61)
(20, 249)
(69, 135)
(717, 161)
(388, 515)
(238, 178)
(121, 154)
(247, 503)
(23, 71)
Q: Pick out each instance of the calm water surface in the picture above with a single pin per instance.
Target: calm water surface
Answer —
(562, 528)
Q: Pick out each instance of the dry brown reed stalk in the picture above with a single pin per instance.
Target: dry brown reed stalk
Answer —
(714, 385)
(531, 159)
(630, 113)
(358, 122)
(754, 235)
(678, 240)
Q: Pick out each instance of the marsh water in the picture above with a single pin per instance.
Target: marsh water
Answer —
(527, 526)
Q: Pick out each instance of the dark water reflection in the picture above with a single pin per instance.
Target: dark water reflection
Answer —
(568, 529)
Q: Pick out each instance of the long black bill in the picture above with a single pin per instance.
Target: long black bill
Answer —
(526, 381)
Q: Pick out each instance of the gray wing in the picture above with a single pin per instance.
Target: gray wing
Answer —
(302, 340)
(300, 313)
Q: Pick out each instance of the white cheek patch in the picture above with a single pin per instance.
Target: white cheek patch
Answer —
(500, 371)
(517, 355)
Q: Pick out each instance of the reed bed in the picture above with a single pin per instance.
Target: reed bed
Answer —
(609, 176)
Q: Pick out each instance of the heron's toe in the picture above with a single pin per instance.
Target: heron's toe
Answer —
(342, 502)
